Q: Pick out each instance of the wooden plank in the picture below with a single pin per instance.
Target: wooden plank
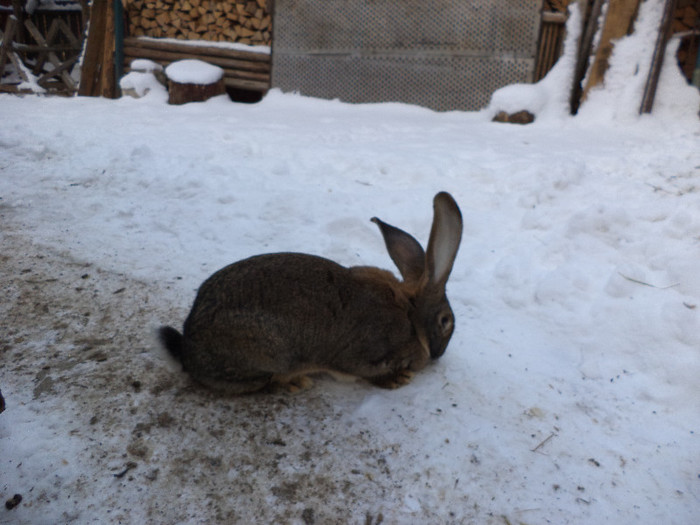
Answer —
(231, 73)
(618, 23)
(7, 50)
(108, 84)
(200, 50)
(35, 48)
(165, 56)
(554, 18)
(44, 51)
(238, 79)
(19, 66)
(18, 13)
(7, 39)
(67, 32)
(60, 70)
(246, 84)
(53, 58)
(549, 48)
(14, 88)
(90, 75)
(245, 75)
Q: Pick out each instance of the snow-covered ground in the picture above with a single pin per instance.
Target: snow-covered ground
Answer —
(570, 392)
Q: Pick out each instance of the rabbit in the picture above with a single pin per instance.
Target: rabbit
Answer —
(275, 318)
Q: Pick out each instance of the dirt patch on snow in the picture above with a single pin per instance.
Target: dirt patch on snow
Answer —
(79, 358)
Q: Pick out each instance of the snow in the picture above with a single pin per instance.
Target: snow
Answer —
(264, 50)
(139, 84)
(568, 394)
(193, 71)
(64, 5)
(143, 79)
(623, 88)
(548, 98)
(144, 65)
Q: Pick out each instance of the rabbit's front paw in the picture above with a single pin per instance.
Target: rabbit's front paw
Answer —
(292, 383)
(400, 378)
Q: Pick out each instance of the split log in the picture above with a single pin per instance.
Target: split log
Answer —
(520, 117)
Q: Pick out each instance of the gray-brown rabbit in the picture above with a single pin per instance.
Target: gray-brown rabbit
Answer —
(275, 318)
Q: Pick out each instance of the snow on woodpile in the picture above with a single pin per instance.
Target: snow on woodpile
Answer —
(193, 71)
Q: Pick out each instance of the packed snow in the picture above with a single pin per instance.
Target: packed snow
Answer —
(568, 394)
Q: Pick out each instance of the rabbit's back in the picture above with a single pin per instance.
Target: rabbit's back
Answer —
(277, 314)
(304, 287)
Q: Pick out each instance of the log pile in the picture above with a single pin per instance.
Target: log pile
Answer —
(242, 69)
(685, 17)
(244, 21)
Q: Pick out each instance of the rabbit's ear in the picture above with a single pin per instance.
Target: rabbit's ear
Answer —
(445, 236)
(405, 251)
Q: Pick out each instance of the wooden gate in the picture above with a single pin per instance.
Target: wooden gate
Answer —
(40, 49)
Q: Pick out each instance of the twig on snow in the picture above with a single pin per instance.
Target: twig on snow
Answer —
(543, 443)
(129, 466)
(637, 281)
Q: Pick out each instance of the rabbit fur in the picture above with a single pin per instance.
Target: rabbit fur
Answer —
(278, 317)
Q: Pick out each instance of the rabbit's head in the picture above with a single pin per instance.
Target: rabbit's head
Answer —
(425, 274)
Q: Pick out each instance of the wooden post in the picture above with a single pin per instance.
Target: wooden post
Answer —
(90, 73)
(658, 58)
(118, 43)
(108, 82)
(97, 76)
(584, 52)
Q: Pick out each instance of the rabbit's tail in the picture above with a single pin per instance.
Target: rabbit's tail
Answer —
(171, 339)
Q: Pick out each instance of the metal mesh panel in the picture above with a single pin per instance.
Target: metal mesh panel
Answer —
(437, 53)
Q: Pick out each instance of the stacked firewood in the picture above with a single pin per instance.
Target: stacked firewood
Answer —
(685, 17)
(244, 21)
(686, 24)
